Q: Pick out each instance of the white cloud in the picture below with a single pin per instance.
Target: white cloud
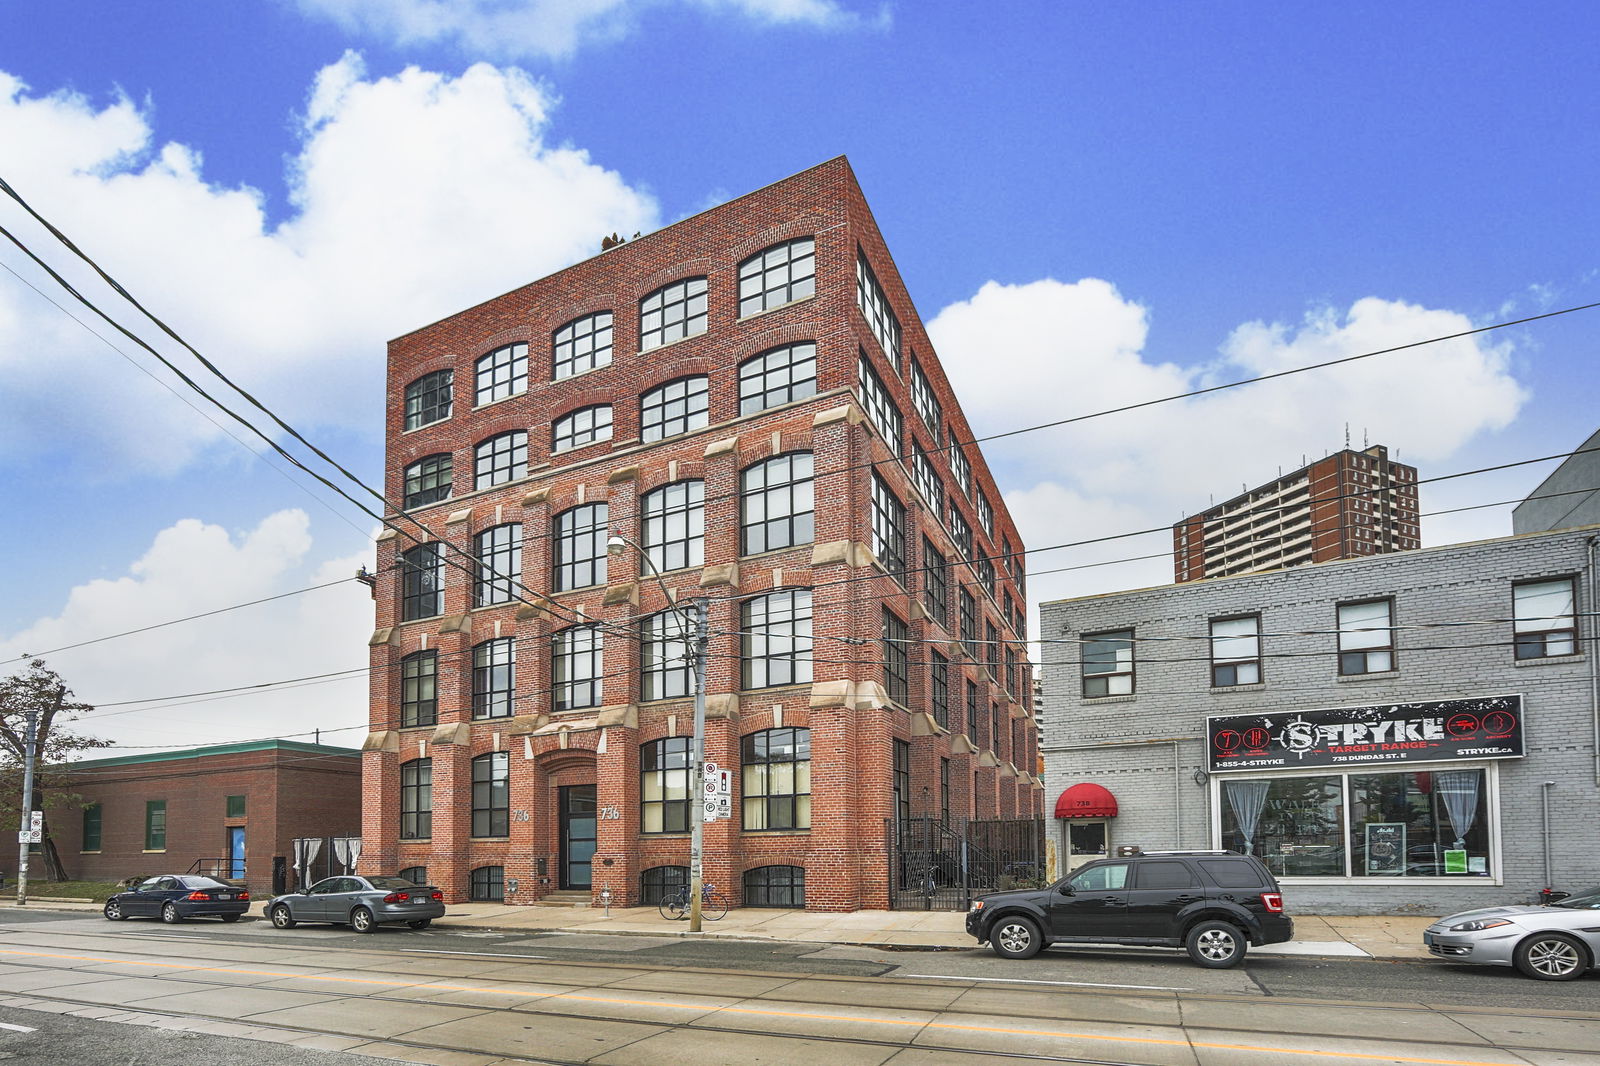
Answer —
(516, 29)
(413, 195)
(193, 567)
(1076, 348)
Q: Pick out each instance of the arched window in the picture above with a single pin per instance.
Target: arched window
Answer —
(488, 884)
(777, 505)
(501, 373)
(494, 674)
(491, 795)
(419, 700)
(777, 638)
(776, 779)
(779, 376)
(675, 525)
(501, 458)
(421, 582)
(580, 548)
(779, 275)
(428, 398)
(673, 408)
(428, 480)
(586, 425)
(416, 799)
(672, 312)
(775, 886)
(659, 882)
(583, 344)
(498, 551)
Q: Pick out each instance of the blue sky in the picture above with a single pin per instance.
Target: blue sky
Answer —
(1091, 205)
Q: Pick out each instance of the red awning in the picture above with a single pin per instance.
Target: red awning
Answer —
(1086, 800)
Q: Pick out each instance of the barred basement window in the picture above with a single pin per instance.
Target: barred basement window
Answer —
(502, 373)
(776, 779)
(675, 525)
(498, 550)
(488, 884)
(875, 308)
(1545, 621)
(674, 408)
(782, 274)
(880, 406)
(421, 582)
(672, 312)
(777, 639)
(586, 425)
(583, 344)
(428, 398)
(428, 480)
(500, 459)
(775, 886)
(491, 795)
(659, 882)
(664, 659)
(888, 528)
(895, 667)
(926, 401)
(939, 687)
(664, 786)
(1108, 663)
(576, 667)
(419, 702)
(776, 504)
(777, 377)
(416, 799)
(580, 546)
(494, 678)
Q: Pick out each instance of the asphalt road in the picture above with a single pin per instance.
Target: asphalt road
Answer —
(755, 1001)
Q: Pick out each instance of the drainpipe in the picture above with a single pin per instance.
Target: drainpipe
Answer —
(1594, 653)
(1177, 795)
(1544, 799)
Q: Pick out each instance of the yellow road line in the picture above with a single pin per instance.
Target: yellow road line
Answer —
(765, 1013)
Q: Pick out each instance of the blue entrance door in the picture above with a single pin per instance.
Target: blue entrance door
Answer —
(236, 851)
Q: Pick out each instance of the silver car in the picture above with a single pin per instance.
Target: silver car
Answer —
(1551, 942)
(363, 903)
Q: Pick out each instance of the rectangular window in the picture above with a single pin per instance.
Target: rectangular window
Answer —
(419, 677)
(775, 782)
(1235, 651)
(969, 622)
(1108, 663)
(777, 639)
(1366, 637)
(421, 582)
(927, 482)
(235, 807)
(985, 514)
(155, 825)
(902, 780)
(986, 575)
(91, 827)
(991, 648)
(580, 537)
(416, 799)
(675, 525)
(926, 401)
(777, 504)
(664, 786)
(1545, 618)
(939, 687)
(875, 308)
(959, 467)
(499, 553)
(576, 667)
(944, 791)
(491, 795)
(664, 660)
(935, 584)
(960, 531)
(494, 678)
(972, 713)
(1011, 674)
(895, 657)
(888, 528)
(880, 406)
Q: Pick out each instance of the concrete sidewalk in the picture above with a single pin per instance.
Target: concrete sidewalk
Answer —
(1381, 937)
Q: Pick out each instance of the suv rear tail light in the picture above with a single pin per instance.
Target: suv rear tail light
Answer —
(397, 897)
(198, 896)
(1273, 901)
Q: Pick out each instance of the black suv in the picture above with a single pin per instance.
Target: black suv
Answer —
(1213, 903)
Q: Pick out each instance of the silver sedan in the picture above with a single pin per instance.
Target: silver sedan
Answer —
(363, 903)
(1551, 942)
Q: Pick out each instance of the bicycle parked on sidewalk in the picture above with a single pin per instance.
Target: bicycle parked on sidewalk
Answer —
(713, 904)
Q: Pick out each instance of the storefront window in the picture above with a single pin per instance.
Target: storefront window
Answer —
(1412, 824)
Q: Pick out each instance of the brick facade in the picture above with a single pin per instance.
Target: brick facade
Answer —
(846, 707)
(290, 790)
(1150, 748)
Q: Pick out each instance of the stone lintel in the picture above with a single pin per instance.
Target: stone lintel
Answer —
(620, 715)
(456, 623)
(536, 496)
(987, 759)
(627, 592)
(725, 446)
(456, 517)
(720, 574)
(451, 733)
(722, 705)
(849, 414)
(385, 635)
(382, 740)
(960, 744)
(831, 693)
(621, 474)
(522, 724)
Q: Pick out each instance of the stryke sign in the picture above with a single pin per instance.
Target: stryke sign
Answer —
(1487, 727)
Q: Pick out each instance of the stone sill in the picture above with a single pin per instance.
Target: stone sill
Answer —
(1217, 690)
(1550, 660)
(1346, 679)
(1108, 699)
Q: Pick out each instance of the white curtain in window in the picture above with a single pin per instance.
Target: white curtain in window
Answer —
(1459, 790)
(1247, 798)
(347, 851)
(305, 853)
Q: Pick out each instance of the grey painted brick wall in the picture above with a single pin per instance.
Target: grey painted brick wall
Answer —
(1128, 744)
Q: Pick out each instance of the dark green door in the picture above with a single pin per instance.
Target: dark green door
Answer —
(577, 836)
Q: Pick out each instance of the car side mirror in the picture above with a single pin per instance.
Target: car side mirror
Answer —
(1065, 889)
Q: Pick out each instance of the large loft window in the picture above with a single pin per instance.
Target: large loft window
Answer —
(498, 550)
(879, 404)
(428, 398)
(888, 527)
(501, 373)
(422, 582)
(776, 377)
(494, 678)
(428, 480)
(673, 408)
(416, 799)
(777, 638)
(777, 505)
(926, 401)
(491, 795)
(935, 584)
(500, 459)
(576, 667)
(586, 425)
(583, 344)
(666, 666)
(672, 312)
(419, 694)
(675, 525)
(775, 783)
(580, 546)
(664, 786)
(782, 274)
(896, 670)
(874, 306)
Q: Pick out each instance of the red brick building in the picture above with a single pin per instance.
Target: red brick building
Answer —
(240, 804)
(749, 395)
(1347, 505)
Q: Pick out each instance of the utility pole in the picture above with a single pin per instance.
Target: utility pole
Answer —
(697, 763)
(25, 828)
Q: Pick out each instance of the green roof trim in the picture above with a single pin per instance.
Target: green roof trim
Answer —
(215, 749)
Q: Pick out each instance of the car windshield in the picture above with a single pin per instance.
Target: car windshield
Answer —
(1583, 901)
(393, 884)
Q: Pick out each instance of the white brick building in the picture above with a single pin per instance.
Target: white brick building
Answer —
(1414, 732)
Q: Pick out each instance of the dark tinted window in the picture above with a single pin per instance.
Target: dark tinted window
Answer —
(1163, 875)
(201, 882)
(1233, 873)
(392, 884)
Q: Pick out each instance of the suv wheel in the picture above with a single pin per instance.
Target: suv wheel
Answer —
(1216, 945)
(1016, 937)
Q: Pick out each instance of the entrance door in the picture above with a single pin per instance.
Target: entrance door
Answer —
(236, 851)
(577, 836)
(1086, 841)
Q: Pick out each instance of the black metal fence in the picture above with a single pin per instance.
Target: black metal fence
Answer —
(938, 865)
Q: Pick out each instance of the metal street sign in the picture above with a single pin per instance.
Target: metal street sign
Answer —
(709, 809)
(30, 836)
(36, 821)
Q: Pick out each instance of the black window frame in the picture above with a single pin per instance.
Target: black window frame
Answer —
(579, 546)
(419, 689)
(666, 670)
(675, 407)
(566, 433)
(494, 678)
(497, 552)
(416, 799)
(935, 583)
(888, 527)
(487, 884)
(939, 687)
(926, 401)
(93, 835)
(873, 304)
(895, 635)
(500, 459)
(504, 369)
(571, 648)
(763, 806)
(672, 521)
(795, 271)
(491, 794)
(900, 779)
(783, 614)
(778, 376)
(657, 883)
(428, 480)
(679, 306)
(421, 581)
(666, 762)
(879, 402)
(794, 521)
(431, 394)
(968, 612)
(585, 340)
(775, 886)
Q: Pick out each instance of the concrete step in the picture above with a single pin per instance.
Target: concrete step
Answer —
(565, 899)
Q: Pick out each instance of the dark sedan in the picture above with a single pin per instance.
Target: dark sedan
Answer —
(174, 897)
(363, 903)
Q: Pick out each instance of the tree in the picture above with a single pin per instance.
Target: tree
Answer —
(40, 689)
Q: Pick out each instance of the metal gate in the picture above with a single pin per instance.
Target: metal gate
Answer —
(938, 865)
